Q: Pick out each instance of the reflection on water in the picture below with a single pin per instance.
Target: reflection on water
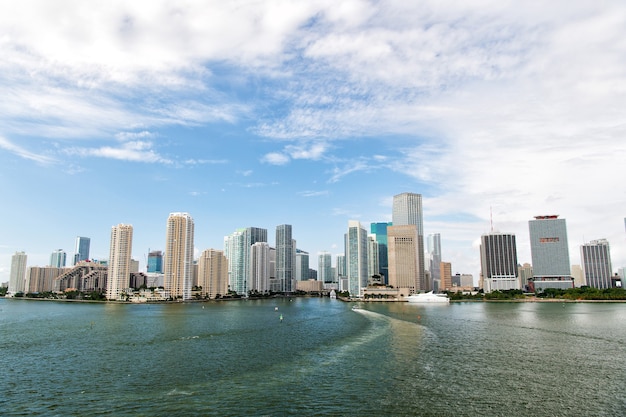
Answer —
(239, 358)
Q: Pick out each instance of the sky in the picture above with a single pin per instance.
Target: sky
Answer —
(310, 113)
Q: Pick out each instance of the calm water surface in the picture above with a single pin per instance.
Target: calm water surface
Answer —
(238, 358)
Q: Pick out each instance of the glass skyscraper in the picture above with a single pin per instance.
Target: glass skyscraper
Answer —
(407, 210)
(81, 252)
(380, 231)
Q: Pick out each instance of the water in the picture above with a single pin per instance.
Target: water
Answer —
(238, 358)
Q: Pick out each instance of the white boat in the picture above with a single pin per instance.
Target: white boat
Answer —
(428, 297)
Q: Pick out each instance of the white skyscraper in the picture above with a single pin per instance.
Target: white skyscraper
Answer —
(433, 248)
(285, 258)
(373, 260)
(596, 260)
(356, 258)
(120, 252)
(407, 210)
(260, 267)
(324, 267)
(58, 258)
(17, 279)
(178, 260)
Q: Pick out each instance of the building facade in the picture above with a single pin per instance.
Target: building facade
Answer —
(260, 267)
(498, 262)
(213, 273)
(407, 210)
(178, 260)
(81, 250)
(324, 267)
(379, 230)
(17, 277)
(120, 252)
(155, 262)
(356, 258)
(550, 253)
(404, 258)
(58, 258)
(596, 264)
(285, 258)
(433, 248)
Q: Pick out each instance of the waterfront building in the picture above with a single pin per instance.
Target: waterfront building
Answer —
(433, 249)
(498, 261)
(407, 210)
(17, 277)
(340, 266)
(260, 267)
(404, 258)
(41, 279)
(445, 273)
(596, 263)
(550, 253)
(356, 258)
(373, 268)
(85, 276)
(155, 262)
(379, 230)
(324, 267)
(525, 274)
(285, 258)
(302, 265)
(578, 275)
(81, 250)
(213, 273)
(118, 278)
(178, 259)
(58, 258)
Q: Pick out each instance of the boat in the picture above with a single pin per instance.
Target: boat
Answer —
(428, 297)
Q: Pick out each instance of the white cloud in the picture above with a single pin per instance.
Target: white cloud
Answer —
(275, 158)
(135, 151)
(23, 153)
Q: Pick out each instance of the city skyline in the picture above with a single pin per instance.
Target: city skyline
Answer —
(310, 114)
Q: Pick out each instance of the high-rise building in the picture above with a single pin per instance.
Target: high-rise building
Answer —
(550, 253)
(445, 272)
(525, 273)
(356, 258)
(285, 258)
(81, 251)
(407, 210)
(237, 247)
(373, 267)
(260, 266)
(433, 248)
(120, 252)
(17, 278)
(58, 258)
(498, 262)
(178, 258)
(379, 230)
(596, 263)
(213, 273)
(404, 258)
(41, 279)
(302, 265)
(324, 267)
(155, 262)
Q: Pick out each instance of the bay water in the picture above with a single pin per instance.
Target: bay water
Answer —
(238, 358)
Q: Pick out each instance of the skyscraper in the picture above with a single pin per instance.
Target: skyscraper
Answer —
(407, 210)
(58, 258)
(550, 253)
(433, 247)
(596, 263)
(260, 266)
(498, 261)
(324, 267)
(17, 279)
(302, 265)
(356, 258)
(445, 272)
(81, 251)
(120, 252)
(285, 258)
(237, 248)
(179, 255)
(373, 267)
(380, 232)
(213, 273)
(155, 261)
(404, 258)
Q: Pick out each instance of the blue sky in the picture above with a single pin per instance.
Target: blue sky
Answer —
(261, 113)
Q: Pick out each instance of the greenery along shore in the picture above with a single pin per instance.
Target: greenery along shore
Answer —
(572, 294)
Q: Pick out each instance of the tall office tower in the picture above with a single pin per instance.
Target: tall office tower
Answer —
(81, 252)
(121, 248)
(596, 260)
(58, 258)
(340, 269)
(498, 261)
(356, 258)
(324, 267)
(550, 253)
(179, 255)
(373, 267)
(407, 210)
(578, 275)
(285, 257)
(302, 265)
(155, 261)
(445, 272)
(260, 267)
(251, 235)
(234, 250)
(379, 230)
(17, 278)
(213, 273)
(433, 247)
(525, 273)
(404, 255)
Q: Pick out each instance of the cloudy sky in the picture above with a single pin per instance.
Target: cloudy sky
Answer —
(310, 113)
